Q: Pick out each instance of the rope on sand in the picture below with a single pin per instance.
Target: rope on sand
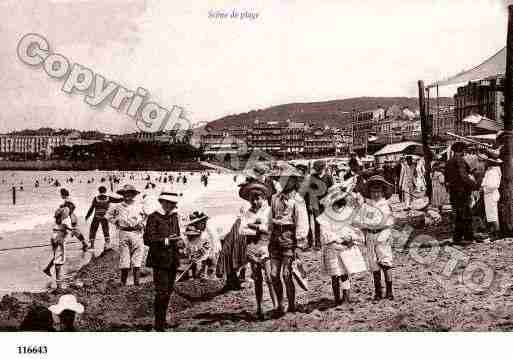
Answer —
(34, 246)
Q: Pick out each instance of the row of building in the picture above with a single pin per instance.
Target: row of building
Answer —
(41, 144)
(282, 138)
(292, 138)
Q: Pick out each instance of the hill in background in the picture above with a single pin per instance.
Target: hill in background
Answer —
(336, 113)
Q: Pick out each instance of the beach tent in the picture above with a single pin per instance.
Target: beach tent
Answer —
(490, 68)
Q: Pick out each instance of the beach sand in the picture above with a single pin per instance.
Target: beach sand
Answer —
(425, 300)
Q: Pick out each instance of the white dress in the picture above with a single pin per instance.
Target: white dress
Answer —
(490, 185)
(377, 215)
(333, 234)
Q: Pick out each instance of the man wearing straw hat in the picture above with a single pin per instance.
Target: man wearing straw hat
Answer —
(407, 181)
(162, 235)
(128, 217)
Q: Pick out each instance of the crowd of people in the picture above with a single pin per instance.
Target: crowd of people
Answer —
(342, 212)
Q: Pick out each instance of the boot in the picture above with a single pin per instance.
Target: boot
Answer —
(242, 275)
(48, 269)
(378, 295)
(124, 276)
(345, 296)
(389, 294)
(232, 282)
(335, 285)
(160, 317)
(136, 276)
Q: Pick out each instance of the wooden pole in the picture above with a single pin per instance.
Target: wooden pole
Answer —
(438, 122)
(426, 138)
(506, 188)
(13, 195)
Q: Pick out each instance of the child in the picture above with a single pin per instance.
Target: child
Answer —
(203, 245)
(75, 231)
(376, 220)
(60, 231)
(338, 237)
(254, 226)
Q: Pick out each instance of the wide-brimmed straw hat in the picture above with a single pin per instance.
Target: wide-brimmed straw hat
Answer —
(258, 170)
(67, 302)
(169, 196)
(495, 161)
(378, 180)
(197, 217)
(334, 195)
(255, 186)
(301, 167)
(128, 188)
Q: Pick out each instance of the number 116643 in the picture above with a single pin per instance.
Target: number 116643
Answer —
(32, 349)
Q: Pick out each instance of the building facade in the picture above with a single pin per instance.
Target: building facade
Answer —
(443, 120)
(363, 124)
(319, 142)
(42, 145)
(478, 98)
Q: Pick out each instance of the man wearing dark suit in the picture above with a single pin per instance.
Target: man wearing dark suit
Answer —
(460, 185)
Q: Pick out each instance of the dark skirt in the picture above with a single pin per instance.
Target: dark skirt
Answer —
(233, 253)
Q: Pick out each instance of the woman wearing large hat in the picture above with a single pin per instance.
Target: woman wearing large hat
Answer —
(128, 217)
(162, 236)
(376, 221)
(490, 189)
(254, 229)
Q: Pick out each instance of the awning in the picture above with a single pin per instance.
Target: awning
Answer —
(488, 137)
(368, 158)
(483, 123)
(221, 152)
(495, 65)
(409, 147)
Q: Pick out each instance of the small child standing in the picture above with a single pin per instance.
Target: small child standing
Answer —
(60, 231)
(203, 245)
(75, 231)
(340, 240)
(377, 221)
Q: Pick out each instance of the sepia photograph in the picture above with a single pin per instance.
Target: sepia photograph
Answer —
(255, 166)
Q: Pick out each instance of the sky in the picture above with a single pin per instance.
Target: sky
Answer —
(293, 51)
